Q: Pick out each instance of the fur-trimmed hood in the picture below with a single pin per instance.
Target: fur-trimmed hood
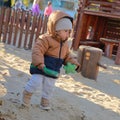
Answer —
(52, 20)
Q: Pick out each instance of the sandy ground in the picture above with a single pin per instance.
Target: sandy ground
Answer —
(75, 97)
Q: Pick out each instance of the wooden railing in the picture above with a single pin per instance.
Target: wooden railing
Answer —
(20, 28)
(103, 5)
(102, 8)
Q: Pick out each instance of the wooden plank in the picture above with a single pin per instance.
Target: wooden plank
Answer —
(22, 23)
(44, 27)
(39, 26)
(11, 25)
(79, 25)
(2, 20)
(28, 24)
(101, 13)
(17, 20)
(101, 2)
(6, 20)
(32, 32)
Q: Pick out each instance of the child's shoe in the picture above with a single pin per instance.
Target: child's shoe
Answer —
(26, 98)
(45, 104)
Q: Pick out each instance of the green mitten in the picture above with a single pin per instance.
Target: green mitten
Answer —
(50, 72)
(32, 66)
(70, 68)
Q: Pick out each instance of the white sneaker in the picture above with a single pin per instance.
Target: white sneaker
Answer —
(45, 107)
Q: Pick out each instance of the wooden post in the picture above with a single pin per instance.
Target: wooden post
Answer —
(6, 20)
(28, 24)
(90, 61)
(2, 20)
(117, 60)
(39, 26)
(44, 27)
(22, 23)
(34, 23)
(10, 27)
(17, 23)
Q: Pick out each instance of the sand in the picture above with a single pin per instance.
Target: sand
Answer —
(75, 97)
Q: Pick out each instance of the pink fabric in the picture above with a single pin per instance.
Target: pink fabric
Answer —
(48, 10)
(36, 9)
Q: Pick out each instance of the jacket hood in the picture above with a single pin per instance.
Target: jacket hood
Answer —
(52, 20)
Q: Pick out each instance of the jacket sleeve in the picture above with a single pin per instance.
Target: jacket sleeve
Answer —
(39, 49)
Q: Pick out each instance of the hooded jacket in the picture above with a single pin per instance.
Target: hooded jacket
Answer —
(49, 49)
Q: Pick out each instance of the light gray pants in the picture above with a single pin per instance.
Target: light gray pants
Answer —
(38, 80)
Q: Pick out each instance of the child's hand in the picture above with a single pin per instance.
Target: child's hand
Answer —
(41, 66)
(70, 68)
(50, 72)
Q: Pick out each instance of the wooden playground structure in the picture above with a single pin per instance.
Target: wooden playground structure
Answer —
(98, 25)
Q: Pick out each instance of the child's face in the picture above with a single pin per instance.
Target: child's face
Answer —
(64, 34)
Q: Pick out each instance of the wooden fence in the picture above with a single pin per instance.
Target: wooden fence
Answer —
(20, 28)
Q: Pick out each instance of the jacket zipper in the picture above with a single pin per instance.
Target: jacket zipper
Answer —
(60, 49)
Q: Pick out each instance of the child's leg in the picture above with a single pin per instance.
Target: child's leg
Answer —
(47, 90)
(31, 87)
